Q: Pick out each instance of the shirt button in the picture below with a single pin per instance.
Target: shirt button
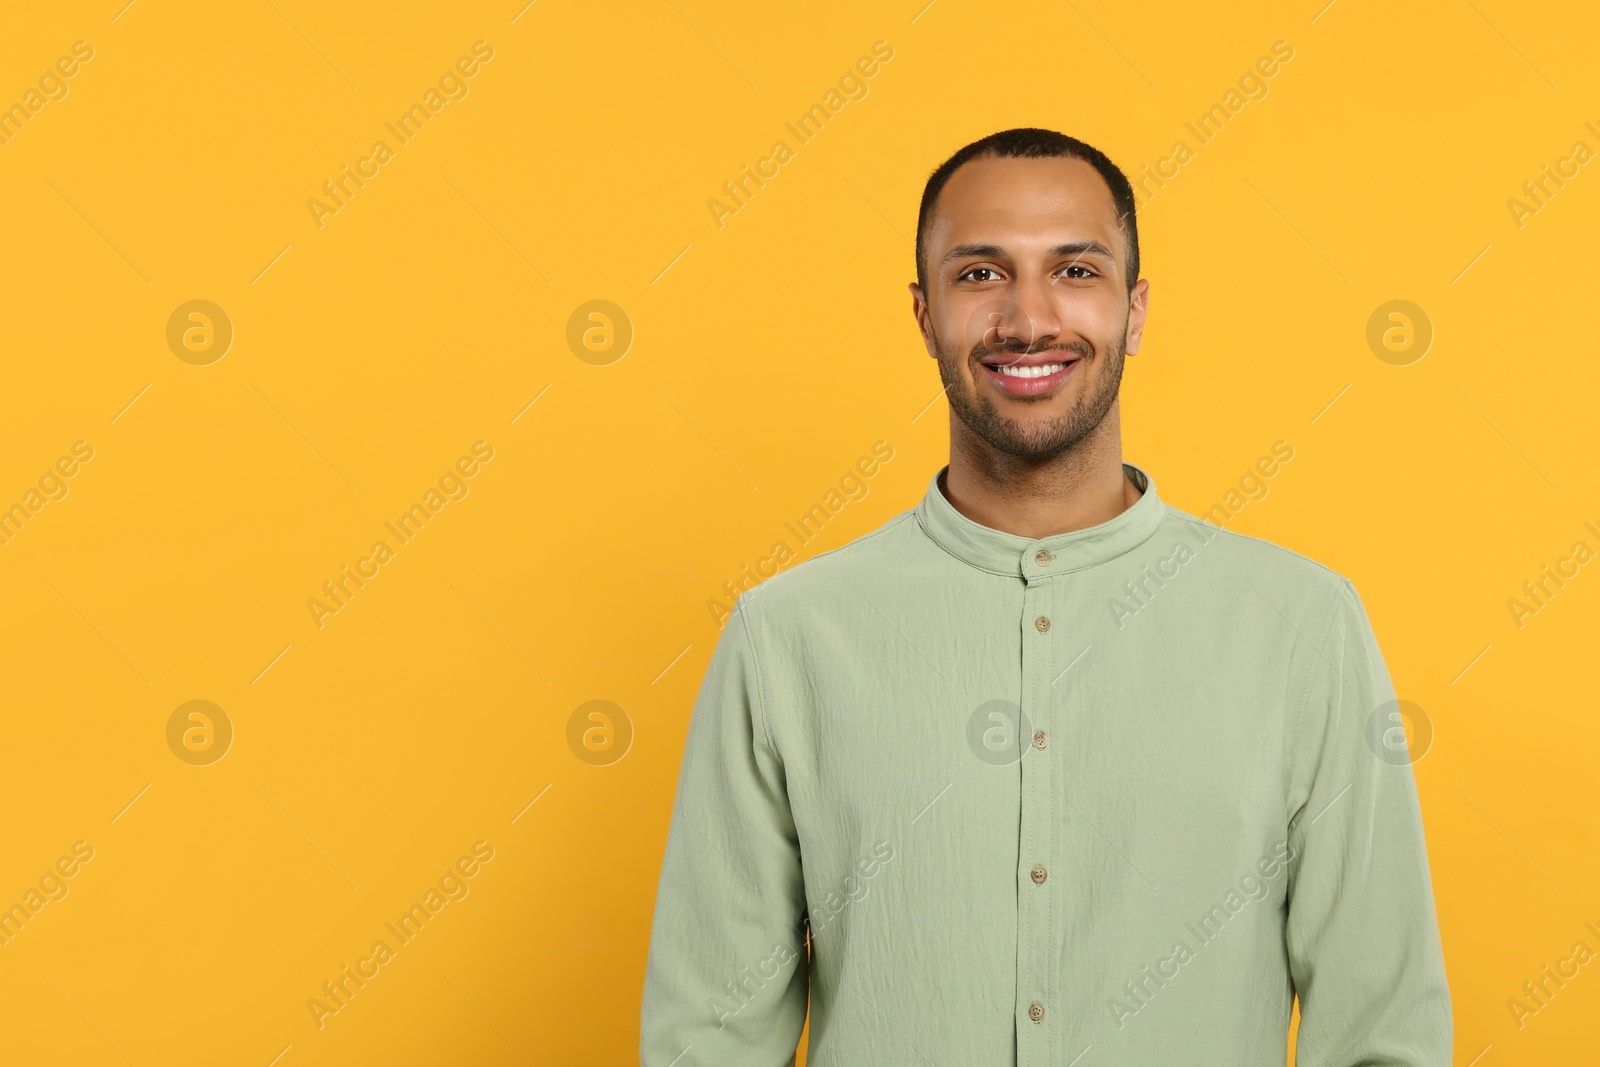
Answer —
(1042, 623)
(1038, 874)
(1036, 1011)
(1043, 558)
(1040, 739)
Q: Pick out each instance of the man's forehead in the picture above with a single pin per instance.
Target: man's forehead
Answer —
(1022, 204)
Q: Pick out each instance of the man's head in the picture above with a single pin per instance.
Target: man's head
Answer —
(1028, 259)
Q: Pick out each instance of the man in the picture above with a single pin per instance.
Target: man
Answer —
(1044, 770)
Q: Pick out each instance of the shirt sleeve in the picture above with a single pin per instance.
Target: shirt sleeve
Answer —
(727, 974)
(1362, 936)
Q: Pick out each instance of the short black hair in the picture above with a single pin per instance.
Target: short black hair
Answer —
(1030, 143)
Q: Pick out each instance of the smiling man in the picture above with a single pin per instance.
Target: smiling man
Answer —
(1092, 836)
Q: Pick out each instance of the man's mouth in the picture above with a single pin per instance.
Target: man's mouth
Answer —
(1029, 375)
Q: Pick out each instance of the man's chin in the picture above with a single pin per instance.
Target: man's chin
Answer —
(1025, 440)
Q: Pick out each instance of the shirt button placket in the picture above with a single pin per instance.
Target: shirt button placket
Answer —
(1036, 922)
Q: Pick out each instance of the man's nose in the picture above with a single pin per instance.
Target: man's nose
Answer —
(1032, 317)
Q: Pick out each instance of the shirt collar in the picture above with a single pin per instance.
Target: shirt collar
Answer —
(1014, 555)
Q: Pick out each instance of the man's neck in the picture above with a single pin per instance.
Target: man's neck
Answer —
(1074, 490)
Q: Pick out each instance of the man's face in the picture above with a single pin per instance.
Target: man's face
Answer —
(1025, 264)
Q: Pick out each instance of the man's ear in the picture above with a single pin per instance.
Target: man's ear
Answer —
(919, 311)
(1138, 307)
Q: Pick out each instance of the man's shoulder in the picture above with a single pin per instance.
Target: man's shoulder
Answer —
(820, 577)
(1281, 575)
(1242, 549)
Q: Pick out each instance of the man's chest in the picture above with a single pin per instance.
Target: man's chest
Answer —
(1041, 712)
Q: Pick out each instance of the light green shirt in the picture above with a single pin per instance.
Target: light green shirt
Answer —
(1110, 797)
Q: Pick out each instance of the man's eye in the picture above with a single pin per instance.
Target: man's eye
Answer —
(1087, 272)
(975, 270)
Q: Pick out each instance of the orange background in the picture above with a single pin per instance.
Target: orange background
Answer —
(369, 353)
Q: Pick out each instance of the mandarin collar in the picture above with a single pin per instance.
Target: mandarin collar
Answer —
(1014, 555)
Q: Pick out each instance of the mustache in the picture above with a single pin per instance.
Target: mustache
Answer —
(984, 353)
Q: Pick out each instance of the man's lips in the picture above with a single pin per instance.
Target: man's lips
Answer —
(1017, 385)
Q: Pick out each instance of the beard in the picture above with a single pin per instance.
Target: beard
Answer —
(1034, 439)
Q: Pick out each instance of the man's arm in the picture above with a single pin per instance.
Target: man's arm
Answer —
(727, 976)
(1363, 937)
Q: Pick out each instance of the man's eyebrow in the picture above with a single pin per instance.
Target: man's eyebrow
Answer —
(1071, 248)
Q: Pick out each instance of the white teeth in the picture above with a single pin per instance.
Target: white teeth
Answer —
(1030, 372)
